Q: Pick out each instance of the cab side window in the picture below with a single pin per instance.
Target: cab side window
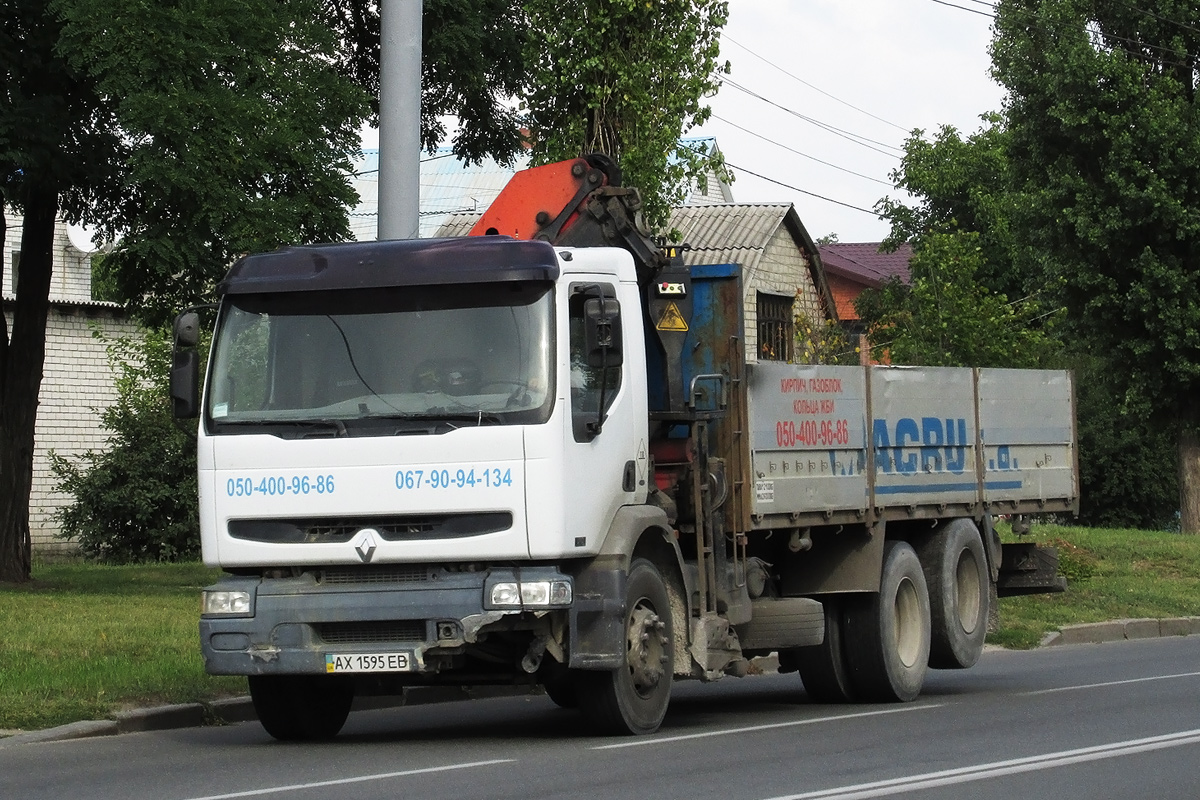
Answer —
(587, 381)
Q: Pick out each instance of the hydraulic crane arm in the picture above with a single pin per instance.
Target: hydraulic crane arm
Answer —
(577, 203)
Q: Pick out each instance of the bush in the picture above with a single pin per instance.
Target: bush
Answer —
(1127, 460)
(135, 501)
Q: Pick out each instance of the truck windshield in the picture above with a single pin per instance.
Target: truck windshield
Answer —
(383, 360)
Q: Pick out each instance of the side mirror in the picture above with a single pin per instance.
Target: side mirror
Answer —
(602, 331)
(185, 367)
(187, 329)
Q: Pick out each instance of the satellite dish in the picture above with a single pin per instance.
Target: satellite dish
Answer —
(81, 239)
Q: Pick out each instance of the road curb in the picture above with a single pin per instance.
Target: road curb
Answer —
(1121, 630)
(233, 710)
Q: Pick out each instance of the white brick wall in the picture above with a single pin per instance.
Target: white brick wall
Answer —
(77, 383)
(785, 270)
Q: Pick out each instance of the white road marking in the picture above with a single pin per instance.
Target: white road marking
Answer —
(996, 769)
(358, 779)
(753, 728)
(1114, 683)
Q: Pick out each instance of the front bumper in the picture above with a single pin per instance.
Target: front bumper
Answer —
(432, 614)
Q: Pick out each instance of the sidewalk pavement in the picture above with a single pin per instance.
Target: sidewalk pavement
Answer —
(240, 709)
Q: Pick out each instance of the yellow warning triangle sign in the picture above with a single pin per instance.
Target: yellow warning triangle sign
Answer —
(671, 319)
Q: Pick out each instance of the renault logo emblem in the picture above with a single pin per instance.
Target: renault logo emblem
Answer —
(365, 546)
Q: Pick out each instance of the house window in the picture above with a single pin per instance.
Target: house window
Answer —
(776, 328)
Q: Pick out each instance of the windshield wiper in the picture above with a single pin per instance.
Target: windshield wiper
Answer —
(476, 417)
(430, 421)
(305, 428)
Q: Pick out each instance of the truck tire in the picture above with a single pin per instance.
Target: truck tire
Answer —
(559, 682)
(823, 668)
(300, 708)
(633, 698)
(887, 634)
(956, 572)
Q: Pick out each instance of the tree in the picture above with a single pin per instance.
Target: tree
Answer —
(1105, 149)
(626, 78)
(198, 130)
(944, 317)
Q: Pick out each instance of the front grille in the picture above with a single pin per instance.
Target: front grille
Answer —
(384, 573)
(390, 529)
(371, 632)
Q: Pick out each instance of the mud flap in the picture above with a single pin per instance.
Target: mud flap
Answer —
(597, 629)
(1027, 568)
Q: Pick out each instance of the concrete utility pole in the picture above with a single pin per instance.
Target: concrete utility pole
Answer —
(399, 119)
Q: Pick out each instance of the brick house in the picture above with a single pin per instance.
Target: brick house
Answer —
(854, 267)
(76, 380)
(782, 274)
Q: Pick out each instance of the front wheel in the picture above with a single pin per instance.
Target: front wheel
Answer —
(633, 698)
(295, 708)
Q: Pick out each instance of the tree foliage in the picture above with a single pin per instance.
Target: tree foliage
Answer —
(626, 78)
(961, 185)
(135, 501)
(235, 136)
(945, 317)
(1126, 465)
(1105, 150)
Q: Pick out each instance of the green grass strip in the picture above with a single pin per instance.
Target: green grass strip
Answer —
(82, 641)
(1111, 574)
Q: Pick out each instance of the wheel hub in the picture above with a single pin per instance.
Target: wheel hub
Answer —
(646, 651)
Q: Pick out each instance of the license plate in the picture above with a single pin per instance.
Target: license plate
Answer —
(369, 662)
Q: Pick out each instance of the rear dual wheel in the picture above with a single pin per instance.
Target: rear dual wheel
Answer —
(959, 593)
(887, 635)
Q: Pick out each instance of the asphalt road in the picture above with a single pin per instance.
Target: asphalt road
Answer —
(1115, 720)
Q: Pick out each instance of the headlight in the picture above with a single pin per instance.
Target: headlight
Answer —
(540, 594)
(225, 603)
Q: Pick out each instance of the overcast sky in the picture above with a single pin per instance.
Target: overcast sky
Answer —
(905, 63)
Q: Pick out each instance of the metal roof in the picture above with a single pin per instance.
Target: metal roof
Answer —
(728, 233)
(725, 233)
(864, 263)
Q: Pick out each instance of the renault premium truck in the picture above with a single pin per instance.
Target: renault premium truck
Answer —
(537, 455)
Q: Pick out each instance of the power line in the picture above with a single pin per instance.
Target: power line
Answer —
(797, 152)
(422, 161)
(731, 40)
(802, 191)
(964, 8)
(862, 141)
